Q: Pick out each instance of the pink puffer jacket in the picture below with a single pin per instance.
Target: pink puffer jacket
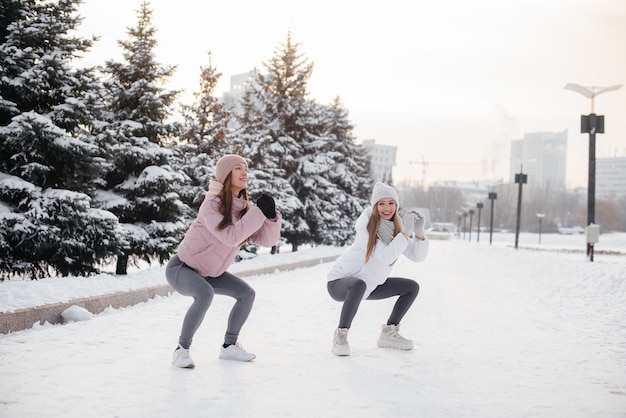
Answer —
(209, 251)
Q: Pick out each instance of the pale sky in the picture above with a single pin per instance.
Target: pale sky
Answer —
(451, 82)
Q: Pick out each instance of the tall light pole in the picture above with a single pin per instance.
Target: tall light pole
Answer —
(592, 124)
(479, 205)
(464, 223)
(520, 178)
(540, 216)
(471, 213)
(492, 196)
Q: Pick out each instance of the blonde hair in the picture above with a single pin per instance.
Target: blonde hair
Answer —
(372, 229)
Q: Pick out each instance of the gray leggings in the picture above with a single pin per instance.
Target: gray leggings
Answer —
(350, 291)
(188, 282)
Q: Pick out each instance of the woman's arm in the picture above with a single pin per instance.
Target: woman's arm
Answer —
(388, 254)
(233, 235)
(417, 249)
(269, 233)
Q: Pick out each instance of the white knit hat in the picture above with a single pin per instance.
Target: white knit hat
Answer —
(225, 165)
(382, 191)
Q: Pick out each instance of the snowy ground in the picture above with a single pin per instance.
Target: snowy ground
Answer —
(499, 333)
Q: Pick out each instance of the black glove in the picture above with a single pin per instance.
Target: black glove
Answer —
(267, 205)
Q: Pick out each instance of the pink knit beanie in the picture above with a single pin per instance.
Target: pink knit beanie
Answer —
(225, 165)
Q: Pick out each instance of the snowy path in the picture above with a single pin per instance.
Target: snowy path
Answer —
(498, 333)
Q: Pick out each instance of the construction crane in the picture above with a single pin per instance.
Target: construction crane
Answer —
(425, 163)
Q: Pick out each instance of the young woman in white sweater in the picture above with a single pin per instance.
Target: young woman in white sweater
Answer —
(362, 272)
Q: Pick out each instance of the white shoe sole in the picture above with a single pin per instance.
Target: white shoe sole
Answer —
(189, 366)
(396, 346)
(237, 359)
(227, 356)
(341, 353)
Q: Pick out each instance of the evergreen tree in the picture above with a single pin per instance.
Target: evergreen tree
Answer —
(50, 165)
(333, 178)
(304, 153)
(12, 11)
(205, 137)
(141, 187)
(352, 160)
(272, 133)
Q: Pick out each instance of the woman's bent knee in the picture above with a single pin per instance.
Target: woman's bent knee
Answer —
(340, 288)
(250, 294)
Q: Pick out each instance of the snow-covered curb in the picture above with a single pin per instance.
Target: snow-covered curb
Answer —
(17, 319)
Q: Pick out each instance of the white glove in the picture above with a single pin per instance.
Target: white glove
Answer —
(408, 223)
(419, 222)
(419, 225)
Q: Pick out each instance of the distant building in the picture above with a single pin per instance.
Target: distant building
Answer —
(382, 160)
(610, 177)
(232, 98)
(542, 156)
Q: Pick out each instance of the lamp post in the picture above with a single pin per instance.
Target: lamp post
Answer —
(592, 124)
(540, 216)
(479, 205)
(520, 178)
(471, 214)
(464, 223)
(459, 214)
(492, 196)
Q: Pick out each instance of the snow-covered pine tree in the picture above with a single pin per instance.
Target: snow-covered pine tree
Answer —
(11, 11)
(49, 165)
(333, 178)
(141, 186)
(274, 110)
(304, 153)
(205, 136)
(353, 161)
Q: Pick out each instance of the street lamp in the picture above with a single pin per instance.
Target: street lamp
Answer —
(592, 124)
(492, 196)
(540, 216)
(520, 178)
(479, 205)
(464, 223)
(471, 213)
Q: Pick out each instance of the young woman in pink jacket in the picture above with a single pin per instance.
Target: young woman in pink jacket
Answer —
(225, 221)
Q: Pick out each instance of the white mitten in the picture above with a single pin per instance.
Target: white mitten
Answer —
(408, 223)
(419, 224)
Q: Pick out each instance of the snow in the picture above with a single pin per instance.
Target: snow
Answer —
(154, 173)
(533, 332)
(76, 313)
(110, 199)
(13, 182)
(21, 294)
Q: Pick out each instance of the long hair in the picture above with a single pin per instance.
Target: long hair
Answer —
(372, 229)
(226, 205)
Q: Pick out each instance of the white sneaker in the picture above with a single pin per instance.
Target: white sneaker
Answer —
(390, 338)
(236, 352)
(181, 358)
(341, 347)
